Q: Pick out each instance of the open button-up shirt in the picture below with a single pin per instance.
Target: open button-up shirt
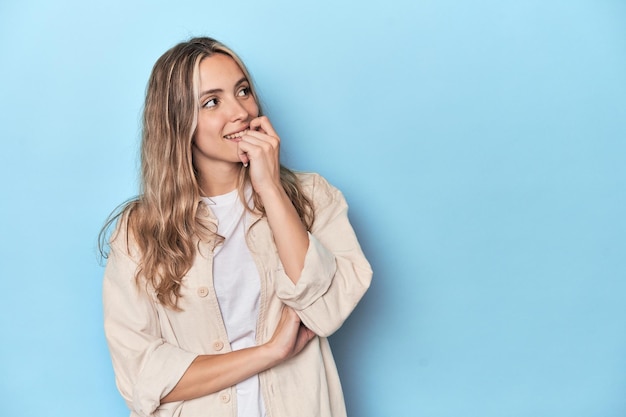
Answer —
(152, 346)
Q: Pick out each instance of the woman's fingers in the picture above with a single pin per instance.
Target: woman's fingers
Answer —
(260, 147)
(290, 336)
(304, 337)
(261, 137)
(286, 334)
(255, 141)
(263, 124)
(243, 157)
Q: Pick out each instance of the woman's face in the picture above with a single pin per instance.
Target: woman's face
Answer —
(226, 108)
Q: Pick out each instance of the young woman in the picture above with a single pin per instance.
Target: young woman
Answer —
(227, 273)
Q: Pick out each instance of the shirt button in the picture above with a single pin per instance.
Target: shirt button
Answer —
(218, 345)
(203, 292)
(224, 397)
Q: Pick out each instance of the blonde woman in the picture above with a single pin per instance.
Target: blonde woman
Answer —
(227, 273)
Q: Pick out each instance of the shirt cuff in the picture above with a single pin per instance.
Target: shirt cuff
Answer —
(153, 383)
(315, 279)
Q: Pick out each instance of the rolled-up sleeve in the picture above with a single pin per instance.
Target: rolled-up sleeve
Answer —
(146, 367)
(335, 274)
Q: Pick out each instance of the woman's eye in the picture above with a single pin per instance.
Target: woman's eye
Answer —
(210, 103)
(245, 91)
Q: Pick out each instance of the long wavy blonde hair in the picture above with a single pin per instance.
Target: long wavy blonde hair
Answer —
(163, 220)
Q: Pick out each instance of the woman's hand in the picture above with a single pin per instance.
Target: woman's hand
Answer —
(260, 148)
(208, 374)
(290, 336)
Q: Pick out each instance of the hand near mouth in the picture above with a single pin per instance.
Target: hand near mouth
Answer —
(260, 149)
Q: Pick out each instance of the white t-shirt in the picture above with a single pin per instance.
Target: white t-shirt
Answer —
(238, 287)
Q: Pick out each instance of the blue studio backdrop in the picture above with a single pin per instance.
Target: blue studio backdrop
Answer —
(481, 146)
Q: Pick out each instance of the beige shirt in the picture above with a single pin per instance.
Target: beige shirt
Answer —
(152, 346)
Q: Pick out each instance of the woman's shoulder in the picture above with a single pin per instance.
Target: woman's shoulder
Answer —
(121, 238)
(318, 188)
(312, 180)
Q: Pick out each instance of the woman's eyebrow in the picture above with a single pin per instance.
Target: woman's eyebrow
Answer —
(219, 90)
(242, 80)
(212, 91)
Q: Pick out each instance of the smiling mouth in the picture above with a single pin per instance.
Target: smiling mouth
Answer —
(236, 136)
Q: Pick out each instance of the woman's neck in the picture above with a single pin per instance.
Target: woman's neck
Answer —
(219, 181)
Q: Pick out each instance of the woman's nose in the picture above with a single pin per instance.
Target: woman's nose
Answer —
(238, 111)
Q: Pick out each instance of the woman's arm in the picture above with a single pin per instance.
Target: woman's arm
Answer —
(149, 371)
(260, 148)
(208, 374)
(336, 274)
(290, 235)
(326, 272)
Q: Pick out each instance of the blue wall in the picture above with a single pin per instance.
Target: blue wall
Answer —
(481, 145)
